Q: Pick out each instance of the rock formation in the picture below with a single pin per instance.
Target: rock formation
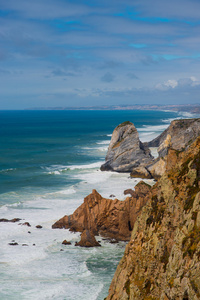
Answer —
(88, 240)
(113, 219)
(12, 221)
(126, 151)
(162, 259)
(178, 136)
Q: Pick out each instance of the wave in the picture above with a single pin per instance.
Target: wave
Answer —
(59, 169)
(153, 128)
(82, 167)
(7, 170)
(107, 142)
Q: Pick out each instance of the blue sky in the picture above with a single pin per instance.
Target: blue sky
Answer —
(85, 53)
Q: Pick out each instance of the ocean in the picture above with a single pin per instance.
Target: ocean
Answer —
(50, 161)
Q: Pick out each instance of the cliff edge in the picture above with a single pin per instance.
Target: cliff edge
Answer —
(162, 259)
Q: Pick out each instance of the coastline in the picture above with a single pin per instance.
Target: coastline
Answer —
(94, 267)
(189, 108)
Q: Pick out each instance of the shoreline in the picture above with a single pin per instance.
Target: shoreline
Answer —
(190, 108)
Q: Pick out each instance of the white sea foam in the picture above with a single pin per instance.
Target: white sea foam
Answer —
(7, 170)
(153, 128)
(104, 142)
(67, 192)
(82, 167)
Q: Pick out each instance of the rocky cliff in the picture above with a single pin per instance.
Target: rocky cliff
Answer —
(178, 136)
(110, 218)
(162, 259)
(126, 152)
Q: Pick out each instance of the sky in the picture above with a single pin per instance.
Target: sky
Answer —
(59, 53)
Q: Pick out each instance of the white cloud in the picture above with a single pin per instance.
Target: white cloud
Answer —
(180, 83)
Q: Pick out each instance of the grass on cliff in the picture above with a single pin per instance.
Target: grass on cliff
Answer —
(124, 124)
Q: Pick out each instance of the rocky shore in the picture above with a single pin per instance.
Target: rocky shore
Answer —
(161, 223)
(109, 218)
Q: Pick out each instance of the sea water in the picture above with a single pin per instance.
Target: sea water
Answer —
(50, 161)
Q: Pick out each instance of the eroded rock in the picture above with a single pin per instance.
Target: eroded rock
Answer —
(88, 240)
(126, 151)
(109, 218)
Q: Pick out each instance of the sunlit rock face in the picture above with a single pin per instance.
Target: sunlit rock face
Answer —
(126, 151)
(162, 259)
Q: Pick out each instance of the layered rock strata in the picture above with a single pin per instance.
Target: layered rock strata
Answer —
(113, 219)
(126, 151)
(162, 259)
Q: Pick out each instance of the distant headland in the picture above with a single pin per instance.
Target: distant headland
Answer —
(192, 108)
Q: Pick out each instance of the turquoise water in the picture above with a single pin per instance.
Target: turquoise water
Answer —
(49, 161)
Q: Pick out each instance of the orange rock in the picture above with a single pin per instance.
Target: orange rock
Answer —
(109, 218)
(87, 240)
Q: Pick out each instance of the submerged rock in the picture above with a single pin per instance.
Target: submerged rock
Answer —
(13, 244)
(26, 224)
(12, 221)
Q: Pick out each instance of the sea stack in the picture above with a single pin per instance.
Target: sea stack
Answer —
(126, 152)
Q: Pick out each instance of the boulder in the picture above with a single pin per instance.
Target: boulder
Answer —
(13, 244)
(38, 226)
(65, 242)
(88, 240)
(26, 224)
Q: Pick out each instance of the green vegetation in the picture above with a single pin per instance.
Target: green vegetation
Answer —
(124, 124)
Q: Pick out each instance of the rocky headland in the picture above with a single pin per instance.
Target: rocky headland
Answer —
(162, 259)
(126, 153)
(161, 223)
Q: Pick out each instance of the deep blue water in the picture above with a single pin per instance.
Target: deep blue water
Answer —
(31, 141)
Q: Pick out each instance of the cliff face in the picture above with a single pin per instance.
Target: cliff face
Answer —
(178, 136)
(162, 259)
(126, 151)
(110, 218)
